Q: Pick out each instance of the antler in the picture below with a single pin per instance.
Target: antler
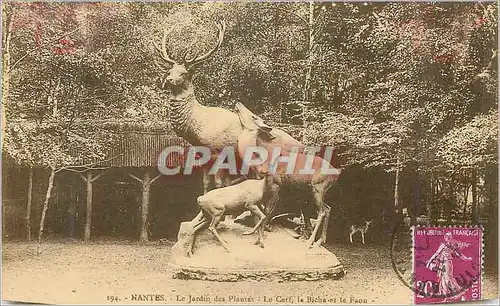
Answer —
(163, 50)
(222, 29)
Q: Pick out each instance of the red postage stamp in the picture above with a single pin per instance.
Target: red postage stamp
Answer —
(447, 264)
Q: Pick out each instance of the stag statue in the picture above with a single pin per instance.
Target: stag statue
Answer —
(212, 127)
(200, 125)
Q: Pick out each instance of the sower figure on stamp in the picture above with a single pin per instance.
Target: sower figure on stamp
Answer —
(442, 262)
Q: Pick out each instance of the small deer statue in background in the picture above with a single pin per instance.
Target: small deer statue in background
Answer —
(359, 228)
(419, 220)
(406, 217)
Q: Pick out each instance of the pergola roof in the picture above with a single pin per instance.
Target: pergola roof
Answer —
(135, 144)
(137, 149)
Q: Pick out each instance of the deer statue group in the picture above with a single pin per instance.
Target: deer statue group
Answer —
(217, 128)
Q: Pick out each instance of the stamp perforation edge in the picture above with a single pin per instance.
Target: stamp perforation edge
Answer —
(481, 250)
(412, 280)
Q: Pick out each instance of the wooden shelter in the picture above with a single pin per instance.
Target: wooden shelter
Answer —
(122, 194)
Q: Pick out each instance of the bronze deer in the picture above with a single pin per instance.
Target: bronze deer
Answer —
(200, 125)
(313, 185)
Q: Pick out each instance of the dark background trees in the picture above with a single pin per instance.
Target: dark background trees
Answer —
(407, 92)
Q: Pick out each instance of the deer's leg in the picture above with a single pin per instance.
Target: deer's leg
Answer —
(306, 234)
(256, 220)
(325, 223)
(269, 208)
(198, 218)
(266, 227)
(202, 223)
(213, 229)
(255, 210)
(228, 181)
(363, 237)
(260, 231)
(263, 223)
(321, 216)
(218, 181)
(321, 208)
(350, 236)
(261, 234)
(206, 180)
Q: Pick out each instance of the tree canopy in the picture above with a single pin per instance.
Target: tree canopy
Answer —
(390, 84)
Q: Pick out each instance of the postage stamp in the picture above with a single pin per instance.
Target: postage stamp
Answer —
(447, 264)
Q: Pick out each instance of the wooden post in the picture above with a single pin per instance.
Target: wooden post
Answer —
(45, 207)
(28, 203)
(146, 187)
(88, 215)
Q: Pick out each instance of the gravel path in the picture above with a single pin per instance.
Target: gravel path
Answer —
(73, 272)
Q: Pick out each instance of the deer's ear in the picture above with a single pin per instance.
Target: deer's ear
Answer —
(266, 135)
(263, 126)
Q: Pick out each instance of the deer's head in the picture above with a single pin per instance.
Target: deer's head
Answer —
(249, 120)
(177, 75)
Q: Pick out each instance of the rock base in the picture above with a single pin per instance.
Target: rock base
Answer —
(284, 258)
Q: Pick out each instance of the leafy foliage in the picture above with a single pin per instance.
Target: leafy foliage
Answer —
(472, 145)
(407, 86)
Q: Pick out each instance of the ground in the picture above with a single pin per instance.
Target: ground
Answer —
(71, 272)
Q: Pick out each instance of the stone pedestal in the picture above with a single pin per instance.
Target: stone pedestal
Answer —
(284, 258)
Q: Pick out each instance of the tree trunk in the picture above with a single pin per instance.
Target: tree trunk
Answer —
(440, 196)
(7, 33)
(429, 201)
(146, 187)
(466, 195)
(415, 194)
(28, 203)
(396, 192)
(88, 216)
(491, 235)
(45, 207)
(474, 196)
(307, 82)
(308, 76)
